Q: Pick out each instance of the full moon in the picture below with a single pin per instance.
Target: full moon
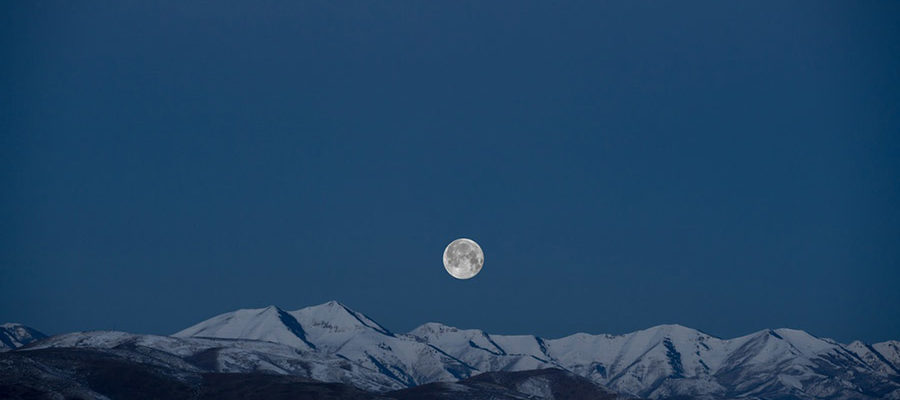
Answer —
(463, 258)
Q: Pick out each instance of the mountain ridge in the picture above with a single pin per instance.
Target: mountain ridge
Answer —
(331, 341)
(661, 361)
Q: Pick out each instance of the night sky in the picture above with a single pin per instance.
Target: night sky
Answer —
(727, 166)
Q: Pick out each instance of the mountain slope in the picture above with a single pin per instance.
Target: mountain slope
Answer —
(479, 349)
(90, 373)
(889, 351)
(337, 331)
(13, 335)
(271, 324)
(220, 355)
(550, 383)
(872, 357)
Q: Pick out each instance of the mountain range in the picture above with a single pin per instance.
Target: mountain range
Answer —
(331, 343)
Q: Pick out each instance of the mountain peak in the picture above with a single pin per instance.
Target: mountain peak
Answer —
(672, 331)
(14, 335)
(270, 324)
(430, 328)
(331, 306)
(335, 317)
(334, 303)
(670, 327)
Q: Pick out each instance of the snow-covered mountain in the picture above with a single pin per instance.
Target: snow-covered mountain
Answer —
(269, 324)
(672, 360)
(13, 335)
(337, 331)
(660, 362)
(333, 343)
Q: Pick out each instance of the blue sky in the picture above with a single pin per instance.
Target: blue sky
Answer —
(726, 166)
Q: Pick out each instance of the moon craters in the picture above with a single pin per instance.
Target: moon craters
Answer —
(463, 258)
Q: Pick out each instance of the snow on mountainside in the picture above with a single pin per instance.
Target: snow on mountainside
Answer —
(477, 349)
(13, 335)
(221, 355)
(659, 362)
(890, 350)
(878, 360)
(336, 330)
(271, 324)
(672, 360)
(334, 317)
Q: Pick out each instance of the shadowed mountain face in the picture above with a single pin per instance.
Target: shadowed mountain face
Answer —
(17, 335)
(332, 343)
(548, 383)
(334, 329)
(92, 374)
